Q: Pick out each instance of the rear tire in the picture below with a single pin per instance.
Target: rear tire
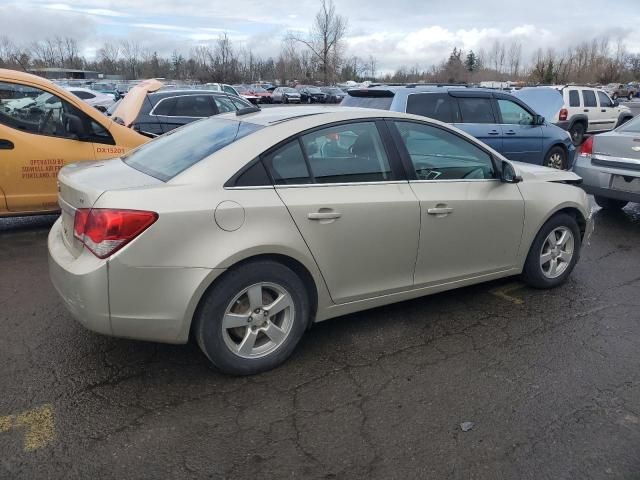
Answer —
(560, 258)
(577, 131)
(239, 324)
(610, 203)
(556, 158)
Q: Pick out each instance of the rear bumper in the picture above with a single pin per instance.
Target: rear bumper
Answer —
(597, 180)
(119, 299)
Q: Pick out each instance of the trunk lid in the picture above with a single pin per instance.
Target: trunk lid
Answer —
(617, 149)
(80, 185)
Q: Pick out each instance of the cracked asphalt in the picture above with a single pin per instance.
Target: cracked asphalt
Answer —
(550, 380)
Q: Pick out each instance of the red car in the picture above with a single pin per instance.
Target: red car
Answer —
(264, 96)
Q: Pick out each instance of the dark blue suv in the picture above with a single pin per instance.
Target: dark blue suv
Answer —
(502, 121)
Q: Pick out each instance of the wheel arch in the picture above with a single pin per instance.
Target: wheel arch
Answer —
(579, 119)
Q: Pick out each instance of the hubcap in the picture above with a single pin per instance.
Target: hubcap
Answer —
(258, 320)
(555, 161)
(557, 252)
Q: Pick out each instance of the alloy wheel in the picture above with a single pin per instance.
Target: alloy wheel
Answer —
(557, 252)
(556, 160)
(258, 320)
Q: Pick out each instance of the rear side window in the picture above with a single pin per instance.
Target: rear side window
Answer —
(165, 106)
(433, 105)
(174, 152)
(347, 153)
(224, 104)
(476, 110)
(589, 98)
(254, 176)
(287, 165)
(574, 98)
(382, 103)
(193, 106)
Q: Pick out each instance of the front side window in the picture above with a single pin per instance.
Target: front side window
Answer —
(574, 98)
(168, 155)
(433, 105)
(476, 110)
(239, 103)
(347, 153)
(437, 154)
(605, 101)
(589, 98)
(35, 111)
(229, 89)
(514, 114)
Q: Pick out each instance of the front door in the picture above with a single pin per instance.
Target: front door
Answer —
(471, 222)
(521, 137)
(39, 134)
(607, 112)
(358, 217)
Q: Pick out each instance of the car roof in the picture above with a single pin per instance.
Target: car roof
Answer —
(183, 91)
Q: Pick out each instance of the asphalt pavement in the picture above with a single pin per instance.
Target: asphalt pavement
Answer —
(488, 382)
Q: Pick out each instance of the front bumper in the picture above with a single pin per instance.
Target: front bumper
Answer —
(598, 180)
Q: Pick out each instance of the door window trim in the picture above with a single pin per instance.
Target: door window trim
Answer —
(408, 164)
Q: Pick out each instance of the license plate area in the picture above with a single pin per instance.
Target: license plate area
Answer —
(622, 183)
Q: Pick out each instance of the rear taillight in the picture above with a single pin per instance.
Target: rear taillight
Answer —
(586, 149)
(564, 114)
(104, 231)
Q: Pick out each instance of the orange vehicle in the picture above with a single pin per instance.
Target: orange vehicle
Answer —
(42, 128)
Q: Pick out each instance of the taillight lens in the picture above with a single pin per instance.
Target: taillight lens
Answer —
(564, 114)
(104, 231)
(586, 149)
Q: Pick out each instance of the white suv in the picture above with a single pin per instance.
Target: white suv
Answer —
(589, 110)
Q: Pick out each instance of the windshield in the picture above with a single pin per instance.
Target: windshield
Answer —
(174, 152)
(632, 126)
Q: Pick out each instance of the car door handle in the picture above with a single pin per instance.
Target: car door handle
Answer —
(323, 215)
(586, 110)
(510, 132)
(603, 111)
(494, 132)
(440, 211)
(6, 145)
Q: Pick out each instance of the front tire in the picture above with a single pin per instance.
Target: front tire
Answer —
(556, 158)
(610, 203)
(253, 318)
(553, 253)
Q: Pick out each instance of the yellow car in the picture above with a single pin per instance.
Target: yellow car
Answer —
(42, 128)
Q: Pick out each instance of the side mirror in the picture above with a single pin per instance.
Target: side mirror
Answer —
(538, 120)
(508, 174)
(76, 127)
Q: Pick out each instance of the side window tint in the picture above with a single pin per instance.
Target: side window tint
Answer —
(224, 104)
(476, 110)
(229, 90)
(347, 153)
(433, 105)
(287, 165)
(437, 154)
(38, 112)
(605, 101)
(589, 98)
(514, 114)
(574, 98)
(193, 106)
(254, 176)
(240, 103)
(165, 107)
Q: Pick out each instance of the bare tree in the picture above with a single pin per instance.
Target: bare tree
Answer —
(131, 56)
(327, 33)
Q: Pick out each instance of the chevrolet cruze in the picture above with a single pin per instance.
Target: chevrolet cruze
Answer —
(242, 230)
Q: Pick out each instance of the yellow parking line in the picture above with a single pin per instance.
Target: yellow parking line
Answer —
(504, 291)
(38, 425)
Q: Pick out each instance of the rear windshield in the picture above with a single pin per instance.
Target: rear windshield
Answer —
(382, 103)
(172, 153)
(632, 126)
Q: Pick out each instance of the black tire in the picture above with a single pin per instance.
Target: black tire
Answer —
(623, 121)
(208, 329)
(556, 157)
(532, 273)
(610, 203)
(577, 132)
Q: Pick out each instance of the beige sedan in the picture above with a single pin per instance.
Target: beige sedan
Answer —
(242, 230)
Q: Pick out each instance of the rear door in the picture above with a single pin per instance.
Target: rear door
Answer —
(344, 189)
(607, 112)
(590, 107)
(471, 222)
(477, 118)
(440, 106)
(38, 136)
(521, 138)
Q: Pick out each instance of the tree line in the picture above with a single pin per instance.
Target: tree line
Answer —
(320, 56)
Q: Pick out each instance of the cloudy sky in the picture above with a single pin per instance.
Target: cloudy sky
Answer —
(402, 32)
